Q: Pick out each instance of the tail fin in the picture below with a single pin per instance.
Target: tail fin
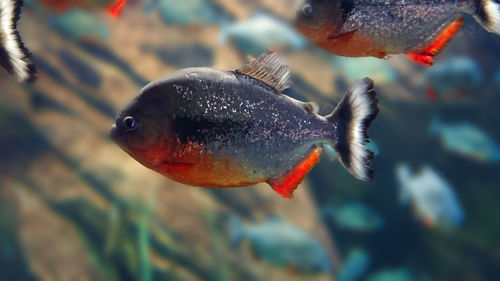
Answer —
(488, 14)
(14, 57)
(352, 117)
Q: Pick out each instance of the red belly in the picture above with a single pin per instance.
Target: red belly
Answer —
(189, 163)
(352, 44)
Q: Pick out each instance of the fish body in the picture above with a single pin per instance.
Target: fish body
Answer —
(77, 24)
(467, 140)
(261, 33)
(355, 216)
(213, 128)
(283, 244)
(356, 264)
(15, 58)
(433, 200)
(358, 28)
(113, 6)
(453, 77)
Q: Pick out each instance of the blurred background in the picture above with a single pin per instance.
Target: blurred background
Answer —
(74, 206)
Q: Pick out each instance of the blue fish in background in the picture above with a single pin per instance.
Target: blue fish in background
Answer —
(455, 77)
(391, 275)
(354, 216)
(432, 198)
(77, 24)
(283, 244)
(356, 68)
(261, 33)
(467, 140)
(188, 12)
(355, 266)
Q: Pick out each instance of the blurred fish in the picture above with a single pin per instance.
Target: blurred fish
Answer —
(188, 12)
(420, 29)
(356, 68)
(467, 140)
(354, 216)
(454, 77)
(213, 128)
(355, 266)
(261, 33)
(14, 57)
(81, 70)
(184, 56)
(432, 198)
(283, 244)
(391, 275)
(114, 7)
(77, 24)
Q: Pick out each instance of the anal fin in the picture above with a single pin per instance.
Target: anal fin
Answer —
(286, 184)
(426, 57)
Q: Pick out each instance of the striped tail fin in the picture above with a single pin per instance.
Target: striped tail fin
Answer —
(351, 119)
(14, 57)
(488, 14)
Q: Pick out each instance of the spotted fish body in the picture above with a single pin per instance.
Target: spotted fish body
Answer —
(214, 128)
(379, 28)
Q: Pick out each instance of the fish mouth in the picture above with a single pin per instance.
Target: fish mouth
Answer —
(113, 133)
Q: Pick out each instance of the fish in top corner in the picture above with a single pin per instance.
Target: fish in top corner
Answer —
(213, 128)
(114, 7)
(15, 58)
(378, 28)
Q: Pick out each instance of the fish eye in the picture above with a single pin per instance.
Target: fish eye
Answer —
(307, 10)
(129, 123)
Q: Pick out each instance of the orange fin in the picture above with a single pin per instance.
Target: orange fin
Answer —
(285, 184)
(117, 8)
(426, 57)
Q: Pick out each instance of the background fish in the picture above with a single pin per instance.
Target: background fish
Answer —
(14, 57)
(212, 128)
(283, 244)
(420, 29)
(432, 198)
(454, 77)
(79, 24)
(354, 216)
(467, 140)
(261, 33)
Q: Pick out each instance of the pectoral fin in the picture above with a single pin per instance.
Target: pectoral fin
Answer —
(285, 184)
(426, 57)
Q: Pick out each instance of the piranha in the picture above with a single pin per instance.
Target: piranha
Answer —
(212, 128)
(114, 7)
(420, 29)
(14, 57)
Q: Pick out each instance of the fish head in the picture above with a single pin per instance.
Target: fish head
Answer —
(144, 128)
(318, 19)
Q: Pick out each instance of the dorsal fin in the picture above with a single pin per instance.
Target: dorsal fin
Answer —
(269, 68)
